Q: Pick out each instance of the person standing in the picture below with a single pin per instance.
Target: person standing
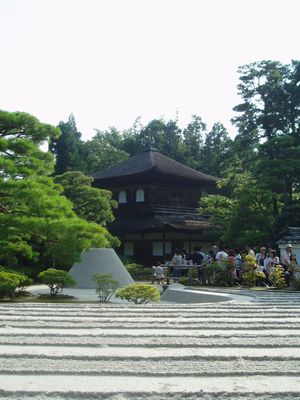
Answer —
(286, 256)
(232, 262)
(158, 273)
(177, 263)
(213, 252)
(221, 255)
(294, 266)
(271, 262)
(261, 259)
(238, 263)
(249, 251)
(198, 259)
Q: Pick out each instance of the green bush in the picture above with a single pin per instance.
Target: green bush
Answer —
(25, 281)
(221, 274)
(186, 281)
(295, 282)
(139, 272)
(139, 293)
(106, 286)
(8, 284)
(12, 283)
(251, 275)
(277, 277)
(56, 279)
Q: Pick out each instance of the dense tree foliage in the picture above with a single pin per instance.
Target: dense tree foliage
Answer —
(269, 125)
(191, 146)
(262, 177)
(37, 223)
(217, 151)
(103, 151)
(243, 217)
(89, 203)
(67, 147)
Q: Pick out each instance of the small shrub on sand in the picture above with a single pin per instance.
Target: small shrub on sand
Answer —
(139, 293)
(106, 286)
(56, 279)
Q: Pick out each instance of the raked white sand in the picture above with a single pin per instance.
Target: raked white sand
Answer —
(232, 350)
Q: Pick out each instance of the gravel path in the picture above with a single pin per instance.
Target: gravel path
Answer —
(237, 351)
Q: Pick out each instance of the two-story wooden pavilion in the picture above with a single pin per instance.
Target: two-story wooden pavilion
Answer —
(158, 199)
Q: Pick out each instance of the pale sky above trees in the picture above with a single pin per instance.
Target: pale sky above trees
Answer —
(110, 61)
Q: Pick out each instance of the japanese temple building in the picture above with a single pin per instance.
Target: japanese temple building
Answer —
(158, 200)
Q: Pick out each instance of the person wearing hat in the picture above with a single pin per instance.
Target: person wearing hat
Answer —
(286, 256)
(261, 259)
(286, 261)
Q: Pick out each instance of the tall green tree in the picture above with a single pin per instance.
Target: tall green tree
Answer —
(262, 183)
(217, 151)
(268, 123)
(103, 150)
(164, 136)
(193, 138)
(89, 203)
(37, 224)
(67, 148)
(245, 215)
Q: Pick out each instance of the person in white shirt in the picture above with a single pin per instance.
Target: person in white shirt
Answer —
(177, 263)
(271, 262)
(249, 251)
(221, 256)
(261, 259)
(286, 256)
(158, 273)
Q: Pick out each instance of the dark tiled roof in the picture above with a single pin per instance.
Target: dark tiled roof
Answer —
(152, 160)
(150, 223)
(291, 236)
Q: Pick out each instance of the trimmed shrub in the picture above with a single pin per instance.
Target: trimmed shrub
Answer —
(185, 281)
(25, 281)
(221, 274)
(295, 282)
(251, 276)
(106, 286)
(139, 293)
(277, 277)
(12, 283)
(56, 279)
(8, 284)
(139, 272)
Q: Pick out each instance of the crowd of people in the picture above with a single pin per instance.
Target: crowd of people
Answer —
(266, 260)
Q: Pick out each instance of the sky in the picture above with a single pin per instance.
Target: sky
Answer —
(111, 61)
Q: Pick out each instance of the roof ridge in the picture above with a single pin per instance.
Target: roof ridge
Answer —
(153, 160)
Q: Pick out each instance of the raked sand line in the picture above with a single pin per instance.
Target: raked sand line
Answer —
(257, 340)
(150, 332)
(4, 395)
(149, 353)
(144, 326)
(199, 313)
(151, 385)
(282, 320)
(167, 367)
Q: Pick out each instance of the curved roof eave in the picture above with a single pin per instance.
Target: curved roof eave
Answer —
(153, 161)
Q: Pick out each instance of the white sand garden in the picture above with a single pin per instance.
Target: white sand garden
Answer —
(195, 344)
(227, 350)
